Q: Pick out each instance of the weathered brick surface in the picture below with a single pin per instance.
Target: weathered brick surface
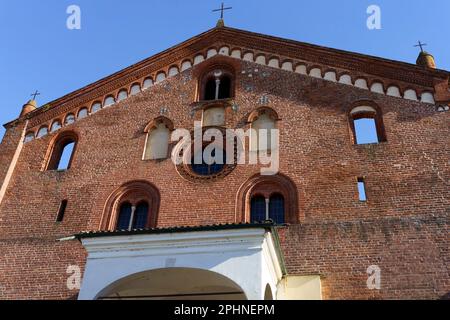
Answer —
(403, 227)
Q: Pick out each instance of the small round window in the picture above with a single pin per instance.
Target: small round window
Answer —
(210, 164)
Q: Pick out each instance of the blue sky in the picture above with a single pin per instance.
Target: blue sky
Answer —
(39, 52)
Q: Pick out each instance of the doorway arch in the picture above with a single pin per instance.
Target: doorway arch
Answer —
(173, 284)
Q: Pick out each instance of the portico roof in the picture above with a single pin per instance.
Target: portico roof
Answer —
(175, 229)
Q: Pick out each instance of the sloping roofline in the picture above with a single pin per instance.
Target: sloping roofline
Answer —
(382, 67)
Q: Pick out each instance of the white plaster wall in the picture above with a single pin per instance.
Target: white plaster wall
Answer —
(110, 259)
(300, 288)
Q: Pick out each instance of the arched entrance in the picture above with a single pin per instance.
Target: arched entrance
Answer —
(173, 284)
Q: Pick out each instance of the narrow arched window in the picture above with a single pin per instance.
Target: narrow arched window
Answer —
(66, 156)
(133, 217)
(62, 152)
(157, 146)
(366, 124)
(141, 216)
(123, 221)
(265, 208)
(276, 208)
(258, 209)
(218, 88)
(217, 84)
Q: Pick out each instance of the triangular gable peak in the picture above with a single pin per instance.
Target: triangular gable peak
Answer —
(397, 79)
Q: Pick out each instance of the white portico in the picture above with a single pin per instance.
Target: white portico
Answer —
(241, 261)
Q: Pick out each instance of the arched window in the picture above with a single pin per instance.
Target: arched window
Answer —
(83, 113)
(366, 124)
(263, 122)
(276, 208)
(209, 167)
(158, 138)
(258, 209)
(132, 217)
(217, 84)
(272, 207)
(134, 205)
(123, 222)
(268, 197)
(141, 216)
(62, 152)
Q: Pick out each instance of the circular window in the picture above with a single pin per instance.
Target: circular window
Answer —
(210, 164)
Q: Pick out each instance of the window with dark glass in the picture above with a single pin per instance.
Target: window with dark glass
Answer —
(141, 216)
(205, 169)
(123, 222)
(258, 209)
(262, 209)
(133, 217)
(276, 208)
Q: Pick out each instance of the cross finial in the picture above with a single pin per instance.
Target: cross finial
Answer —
(222, 9)
(421, 45)
(36, 93)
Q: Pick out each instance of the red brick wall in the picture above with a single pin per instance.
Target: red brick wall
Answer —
(402, 228)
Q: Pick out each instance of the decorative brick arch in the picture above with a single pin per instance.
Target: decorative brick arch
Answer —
(157, 121)
(133, 192)
(254, 115)
(205, 71)
(267, 186)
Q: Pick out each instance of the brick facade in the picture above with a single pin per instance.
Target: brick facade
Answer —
(403, 227)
